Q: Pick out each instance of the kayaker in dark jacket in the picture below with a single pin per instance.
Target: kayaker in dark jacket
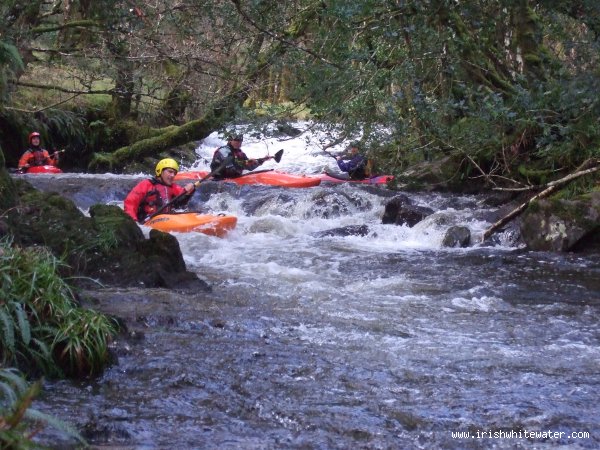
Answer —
(239, 162)
(149, 195)
(35, 155)
(356, 167)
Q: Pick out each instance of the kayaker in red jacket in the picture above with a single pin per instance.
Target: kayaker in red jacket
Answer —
(35, 155)
(149, 195)
(238, 163)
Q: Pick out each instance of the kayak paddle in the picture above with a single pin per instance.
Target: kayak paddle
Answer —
(277, 157)
(225, 162)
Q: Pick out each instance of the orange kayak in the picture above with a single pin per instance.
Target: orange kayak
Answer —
(268, 177)
(211, 224)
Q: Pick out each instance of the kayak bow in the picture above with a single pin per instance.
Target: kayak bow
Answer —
(210, 224)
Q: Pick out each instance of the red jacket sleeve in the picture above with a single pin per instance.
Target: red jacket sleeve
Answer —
(177, 190)
(50, 160)
(25, 159)
(135, 197)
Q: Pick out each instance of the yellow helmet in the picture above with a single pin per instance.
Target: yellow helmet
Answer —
(167, 163)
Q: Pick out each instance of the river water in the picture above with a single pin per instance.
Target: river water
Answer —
(319, 340)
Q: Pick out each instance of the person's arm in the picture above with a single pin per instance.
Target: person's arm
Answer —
(218, 157)
(344, 166)
(134, 199)
(177, 190)
(24, 161)
(49, 160)
(251, 164)
(52, 159)
(351, 165)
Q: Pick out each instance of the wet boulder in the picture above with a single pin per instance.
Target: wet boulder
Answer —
(400, 210)
(563, 225)
(350, 230)
(457, 236)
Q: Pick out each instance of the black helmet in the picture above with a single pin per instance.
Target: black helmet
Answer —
(353, 144)
(236, 137)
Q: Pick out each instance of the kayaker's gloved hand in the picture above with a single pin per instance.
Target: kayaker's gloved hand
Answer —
(262, 160)
(189, 188)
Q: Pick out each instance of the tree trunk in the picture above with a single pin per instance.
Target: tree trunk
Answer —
(222, 111)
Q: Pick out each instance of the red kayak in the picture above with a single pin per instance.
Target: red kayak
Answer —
(40, 169)
(333, 178)
(268, 177)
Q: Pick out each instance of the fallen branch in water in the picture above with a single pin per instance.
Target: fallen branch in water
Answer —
(550, 188)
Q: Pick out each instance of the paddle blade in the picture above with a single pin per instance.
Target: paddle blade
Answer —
(278, 155)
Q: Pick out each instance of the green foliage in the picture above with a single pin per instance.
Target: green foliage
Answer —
(10, 61)
(18, 421)
(502, 83)
(81, 344)
(38, 314)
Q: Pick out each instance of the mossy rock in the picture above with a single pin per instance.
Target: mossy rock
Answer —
(108, 246)
(563, 225)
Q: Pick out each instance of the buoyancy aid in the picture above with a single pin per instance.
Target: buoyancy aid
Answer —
(158, 195)
(36, 157)
(236, 166)
(356, 167)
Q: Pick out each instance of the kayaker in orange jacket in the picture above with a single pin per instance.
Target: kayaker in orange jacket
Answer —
(149, 195)
(35, 155)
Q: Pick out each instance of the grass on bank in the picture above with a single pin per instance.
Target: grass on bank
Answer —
(42, 328)
(43, 332)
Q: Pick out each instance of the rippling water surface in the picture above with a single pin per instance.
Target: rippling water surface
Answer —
(313, 340)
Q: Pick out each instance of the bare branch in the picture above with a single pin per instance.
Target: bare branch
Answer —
(550, 188)
(74, 24)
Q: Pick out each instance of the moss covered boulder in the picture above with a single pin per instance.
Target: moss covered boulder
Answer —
(106, 247)
(563, 225)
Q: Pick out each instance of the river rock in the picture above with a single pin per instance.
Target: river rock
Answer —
(107, 247)
(401, 211)
(457, 236)
(563, 225)
(350, 230)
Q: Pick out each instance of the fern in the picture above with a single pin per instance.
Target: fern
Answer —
(23, 322)
(11, 383)
(8, 330)
(20, 422)
(9, 55)
(55, 423)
